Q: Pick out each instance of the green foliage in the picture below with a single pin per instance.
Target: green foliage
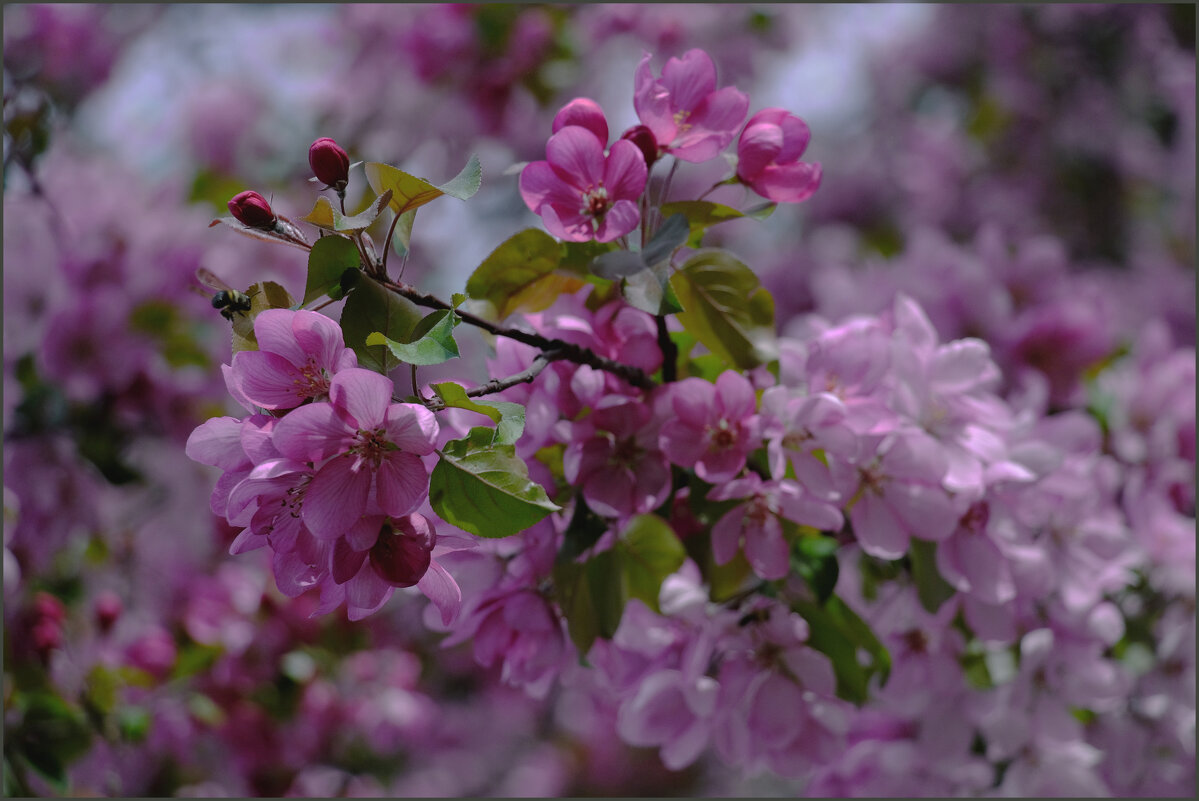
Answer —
(327, 218)
(509, 417)
(814, 559)
(931, 588)
(431, 341)
(370, 308)
(594, 593)
(329, 258)
(522, 273)
(725, 308)
(702, 215)
(484, 488)
(836, 631)
(409, 193)
(52, 734)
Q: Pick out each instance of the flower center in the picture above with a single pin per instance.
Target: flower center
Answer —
(313, 380)
(369, 446)
(626, 452)
(722, 436)
(596, 202)
(680, 120)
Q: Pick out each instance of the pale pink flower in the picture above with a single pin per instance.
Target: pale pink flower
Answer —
(715, 427)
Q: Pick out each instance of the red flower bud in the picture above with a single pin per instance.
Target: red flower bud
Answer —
(46, 605)
(250, 208)
(644, 139)
(329, 163)
(401, 558)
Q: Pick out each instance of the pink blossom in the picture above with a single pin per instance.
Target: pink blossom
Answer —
(688, 115)
(614, 456)
(358, 442)
(585, 113)
(768, 157)
(673, 711)
(715, 427)
(757, 522)
(580, 193)
(298, 354)
(902, 496)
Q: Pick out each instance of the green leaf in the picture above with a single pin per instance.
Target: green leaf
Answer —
(329, 258)
(509, 417)
(485, 489)
(618, 264)
(521, 274)
(836, 631)
(401, 240)
(592, 597)
(409, 192)
(263, 295)
(814, 559)
(725, 308)
(702, 215)
(467, 182)
(327, 218)
(931, 588)
(372, 308)
(649, 551)
(432, 340)
(669, 238)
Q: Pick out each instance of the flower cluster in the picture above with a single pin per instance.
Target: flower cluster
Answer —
(332, 477)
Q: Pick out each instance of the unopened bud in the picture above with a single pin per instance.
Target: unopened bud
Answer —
(401, 558)
(330, 163)
(46, 605)
(644, 139)
(250, 208)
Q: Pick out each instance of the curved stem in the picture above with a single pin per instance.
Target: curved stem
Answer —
(387, 244)
(670, 352)
(565, 351)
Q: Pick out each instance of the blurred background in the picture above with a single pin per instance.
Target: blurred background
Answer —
(1027, 173)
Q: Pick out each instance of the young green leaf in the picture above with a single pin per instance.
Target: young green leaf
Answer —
(836, 631)
(725, 308)
(324, 216)
(486, 489)
(509, 417)
(432, 340)
(931, 588)
(410, 193)
(370, 308)
(329, 258)
(520, 273)
(649, 551)
(263, 295)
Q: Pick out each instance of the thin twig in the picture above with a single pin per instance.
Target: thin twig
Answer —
(670, 352)
(500, 384)
(567, 351)
(387, 245)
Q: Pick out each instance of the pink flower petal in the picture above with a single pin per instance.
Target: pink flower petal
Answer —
(694, 401)
(726, 535)
(217, 442)
(567, 223)
(651, 100)
(927, 512)
(610, 491)
(364, 533)
(788, 183)
(618, 221)
(401, 483)
(320, 338)
(540, 185)
(365, 594)
(576, 156)
(624, 171)
(312, 433)
(273, 330)
(363, 394)
(758, 147)
(714, 123)
(336, 498)
(440, 588)
(269, 380)
(766, 550)
(689, 79)
(345, 562)
(586, 113)
(877, 528)
(413, 428)
(734, 396)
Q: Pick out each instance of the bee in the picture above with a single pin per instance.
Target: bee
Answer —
(229, 300)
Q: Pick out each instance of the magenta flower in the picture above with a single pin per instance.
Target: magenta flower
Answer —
(252, 209)
(580, 193)
(298, 354)
(688, 116)
(615, 458)
(358, 441)
(768, 157)
(673, 711)
(585, 113)
(716, 426)
(757, 523)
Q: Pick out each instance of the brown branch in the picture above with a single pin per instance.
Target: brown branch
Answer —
(560, 350)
